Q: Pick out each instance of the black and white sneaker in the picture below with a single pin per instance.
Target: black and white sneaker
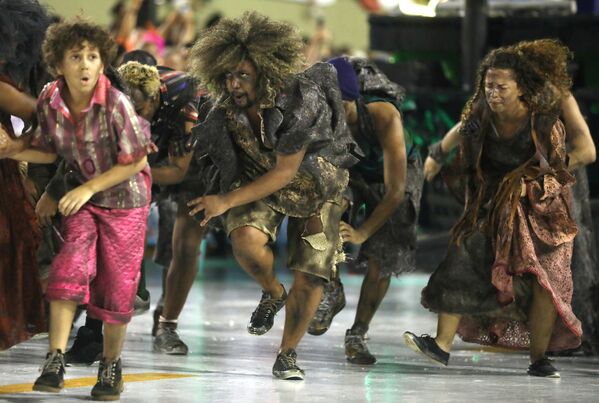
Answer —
(427, 346)
(543, 368)
(286, 366)
(263, 316)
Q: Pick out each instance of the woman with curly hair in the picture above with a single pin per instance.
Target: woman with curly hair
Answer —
(280, 143)
(506, 278)
(22, 27)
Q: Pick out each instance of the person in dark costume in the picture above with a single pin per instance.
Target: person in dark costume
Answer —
(506, 278)
(387, 180)
(169, 100)
(22, 28)
(280, 142)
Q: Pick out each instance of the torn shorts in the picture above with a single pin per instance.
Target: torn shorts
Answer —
(314, 245)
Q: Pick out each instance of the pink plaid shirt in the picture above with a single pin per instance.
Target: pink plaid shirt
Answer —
(109, 132)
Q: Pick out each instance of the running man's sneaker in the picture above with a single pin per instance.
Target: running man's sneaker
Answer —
(332, 302)
(427, 346)
(263, 316)
(286, 366)
(52, 377)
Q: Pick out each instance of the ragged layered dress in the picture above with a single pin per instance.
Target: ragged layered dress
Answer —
(21, 300)
(504, 241)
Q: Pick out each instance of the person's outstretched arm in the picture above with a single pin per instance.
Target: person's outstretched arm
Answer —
(578, 135)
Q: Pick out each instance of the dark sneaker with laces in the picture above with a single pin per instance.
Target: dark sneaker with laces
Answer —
(286, 366)
(110, 381)
(356, 350)
(427, 346)
(52, 377)
(167, 341)
(86, 349)
(543, 368)
(332, 302)
(263, 316)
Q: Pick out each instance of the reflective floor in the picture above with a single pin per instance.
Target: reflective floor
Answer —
(226, 364)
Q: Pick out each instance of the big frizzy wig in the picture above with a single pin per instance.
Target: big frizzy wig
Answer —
(275, 48)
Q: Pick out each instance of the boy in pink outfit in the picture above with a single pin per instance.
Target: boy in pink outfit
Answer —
(94, 128)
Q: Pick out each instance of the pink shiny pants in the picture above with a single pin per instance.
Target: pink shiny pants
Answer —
(99, 262)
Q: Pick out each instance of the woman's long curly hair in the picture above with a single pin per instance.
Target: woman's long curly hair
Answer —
(540, 71)
(275, 48)
(22, 28)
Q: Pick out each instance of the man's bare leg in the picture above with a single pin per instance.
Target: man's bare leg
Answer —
(250, 247)
(304, 297)
(187, 237)
(374, 288)
(302, 303)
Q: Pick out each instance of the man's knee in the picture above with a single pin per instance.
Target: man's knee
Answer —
(245, 238)
(307, 281)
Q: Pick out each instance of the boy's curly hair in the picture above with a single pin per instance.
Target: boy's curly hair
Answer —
(66, 35)
(540, 71)
(143, 77)
(275, 48)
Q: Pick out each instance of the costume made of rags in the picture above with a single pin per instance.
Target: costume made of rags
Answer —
(21, 299)
(303, 116)
(306, 114)
(504, 242)
(394, 244)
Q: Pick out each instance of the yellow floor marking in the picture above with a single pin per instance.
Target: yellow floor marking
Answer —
(91, 381)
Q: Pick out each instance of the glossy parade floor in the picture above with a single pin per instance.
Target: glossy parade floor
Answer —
(226, 364)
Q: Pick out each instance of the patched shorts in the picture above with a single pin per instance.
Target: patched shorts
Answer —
(313, 243)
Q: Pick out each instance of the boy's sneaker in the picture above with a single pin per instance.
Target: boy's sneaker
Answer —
(356, 351)
(263, 316)
(427, 346)
(52, 377)
(286, 366)
(110, 381)
(86, 349)
(332, 302)
(167, 341)
(543, 368)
